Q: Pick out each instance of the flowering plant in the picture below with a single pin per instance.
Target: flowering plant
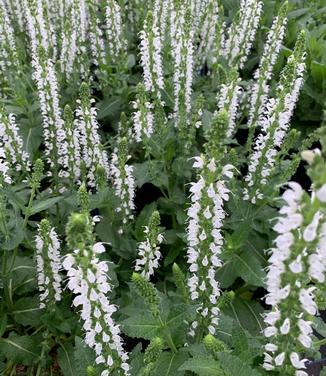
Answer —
(162, 203)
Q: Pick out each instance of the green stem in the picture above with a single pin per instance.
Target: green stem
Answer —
(319, 343)
(169, 339)
(30, 202)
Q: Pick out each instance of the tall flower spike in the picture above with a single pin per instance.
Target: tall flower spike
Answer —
(242, 32)
(205, 240)
(143, 117)
(37, 26)
(9, 62)
(123, 181)
(73, 145)
(88, 280)
(152, 354)
(161, 10)
(198, 9)
(260, 89)
(53, 125)
(15, 10)
(96, 37)
(12, 154)
(296, 260)
(81, 24)
(69, 40)
(51, 23)
(115, 33)
(151, 59)
(182, 53)
(228, 100)
(92, 153)
(48, 264)
(275, 123)
(208, 32)
(149, 250)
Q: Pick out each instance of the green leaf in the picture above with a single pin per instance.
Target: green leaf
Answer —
(27, 311)
(246, 346)
(250, 269)
(203, 366)
(20, 349)
(3, 323)
(136, 360)
(178, 314)
(141, 326)
(44, 204)
(150, 172)
(227, 274)
(66, 359)
(247, 314)
(23, 275)
(142, 220)
(16, 233)
(109, 107)
(232, 365)
(32, 137)
(168, 364)
(240, 265)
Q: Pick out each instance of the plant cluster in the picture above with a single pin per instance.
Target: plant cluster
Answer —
(153, 219)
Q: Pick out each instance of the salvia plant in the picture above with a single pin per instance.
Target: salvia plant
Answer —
(162, 197)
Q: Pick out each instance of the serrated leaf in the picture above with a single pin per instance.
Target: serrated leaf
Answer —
(178, 314)
(66, 360)
(23, 275)
(27, 311)
(247, 314)
(203, 366)
(169, 363)
(136, 360)
(227, 274)
(44, 204)
(16, 234)
(141, 326)
(232, 365)
(250, 269)
(20, 349)
(109, 107)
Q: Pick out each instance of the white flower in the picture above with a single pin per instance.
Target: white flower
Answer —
(321, 193)
(98, 248)
(228, 99)
(279, 359)
(307, 301)
(48, 264)
(241, 34)
(182, 53)
(55, 138)
(263, 74)
(114, 29)
(151, 58)
(204, 236)
(148, 256)
(275, 123)
(310, 232)
(91, 150)
(285, 327)
(271, 347)
(88, 280)
(296, 362)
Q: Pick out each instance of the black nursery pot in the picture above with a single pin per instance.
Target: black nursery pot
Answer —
(314, 367)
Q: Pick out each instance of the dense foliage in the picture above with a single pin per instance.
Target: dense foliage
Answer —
(162, 187)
